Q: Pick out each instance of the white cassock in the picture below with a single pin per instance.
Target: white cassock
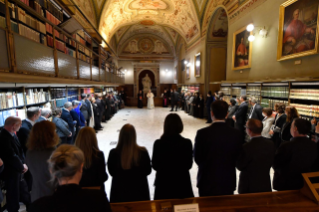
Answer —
(150, 100)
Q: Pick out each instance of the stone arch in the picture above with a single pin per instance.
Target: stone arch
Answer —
(216, 48)
(139, 68)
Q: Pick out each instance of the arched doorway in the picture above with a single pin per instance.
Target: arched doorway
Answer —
(216, 49)
(151, 76)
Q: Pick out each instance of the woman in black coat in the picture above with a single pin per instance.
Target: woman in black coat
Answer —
(291, 114)
(129, 165)
(172, 160)
(200, 106)
(94, 171)
(140, 99)
(231, 111)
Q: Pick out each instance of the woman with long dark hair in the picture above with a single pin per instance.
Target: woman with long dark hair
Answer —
(94, 173)
(291, 113)
(172, 159)
(129, 165)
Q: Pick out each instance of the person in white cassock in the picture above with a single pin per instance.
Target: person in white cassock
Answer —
(150, 100)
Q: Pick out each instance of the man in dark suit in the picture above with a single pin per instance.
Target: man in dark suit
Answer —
(45, 114)
(13, 157)
(255, 160)
(182, 100)
(240, 116)
(66, 116)
(256, 111)
(89, 108)
(216, 150)
(33, 114)
(209, 100)
(294, 157)
(173, 98)
(101, 108)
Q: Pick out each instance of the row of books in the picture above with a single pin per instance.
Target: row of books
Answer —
(84, 50)
(3, 23)
(53, 10)
(307, 110)
(226, 90)
(72, 98)
(83, 57)
(73, 92)
(104, 53)
(32, 22)
(13, 112)
(281, 92)
(27, 2)
(70, 41)
(14, 26)
(10, 100)
(238, 92)
(70, 52)
(52, 18)
(88, 90)
(306, 94)
(84, 36)
(33, 96)
(49, 29)
(31, 34)
(60, 102)
(57, 93)
(37, 7)
(271, 103)
(2, 7)
(78, 38)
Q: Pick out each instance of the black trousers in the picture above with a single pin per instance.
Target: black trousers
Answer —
(209, 117)
(173, 104)
(17, 191)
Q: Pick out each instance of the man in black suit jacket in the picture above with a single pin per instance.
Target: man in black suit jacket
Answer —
(256, 111)
(89, 108)
(13, 157)
(294, 157)
(101, 108)
(240, 116)
(66, 116)
(216, 151)
(33, 114)
(173, 98)
(255, 160)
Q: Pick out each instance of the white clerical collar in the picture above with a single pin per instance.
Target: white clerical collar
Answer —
(31, 122)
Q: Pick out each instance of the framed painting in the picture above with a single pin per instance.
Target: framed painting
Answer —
(197, 65)
(187, 72)
(242, 50)
(298, 29)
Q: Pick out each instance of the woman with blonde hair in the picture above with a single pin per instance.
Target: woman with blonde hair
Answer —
(129, 165)
(65, 165)
(42, 142)
(94, 173)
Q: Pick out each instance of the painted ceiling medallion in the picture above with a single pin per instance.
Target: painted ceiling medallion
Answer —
(146, 45)
(148, 5)
(147, 22)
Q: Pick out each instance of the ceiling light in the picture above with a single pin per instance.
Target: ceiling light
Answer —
(250, 27)
(251, 38)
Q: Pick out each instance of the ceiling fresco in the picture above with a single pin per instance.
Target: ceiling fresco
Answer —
(177, 14)
(145, 29)
(88, 10)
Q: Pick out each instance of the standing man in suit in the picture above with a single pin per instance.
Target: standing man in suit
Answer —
(66, 116)
(216, 151)
(89, 108)
(240, 116)
(13, 157)
(255, 160)
(209, 100)
(45, 114)
(84, 109)
(101, 108)
(256, 111)
(294, 157)
(173, 98)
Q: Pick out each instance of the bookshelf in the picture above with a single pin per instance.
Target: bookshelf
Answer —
(35, 24)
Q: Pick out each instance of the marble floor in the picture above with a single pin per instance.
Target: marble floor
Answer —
(149, 127)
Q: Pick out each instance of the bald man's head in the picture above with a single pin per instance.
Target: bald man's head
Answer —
(254, 126)
(12, 123)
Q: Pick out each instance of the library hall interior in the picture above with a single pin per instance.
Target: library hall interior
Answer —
(159, 105)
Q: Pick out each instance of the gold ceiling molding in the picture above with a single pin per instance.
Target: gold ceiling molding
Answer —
(179, 15)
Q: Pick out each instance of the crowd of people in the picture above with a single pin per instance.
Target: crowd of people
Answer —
(50, 172)
(29, 144)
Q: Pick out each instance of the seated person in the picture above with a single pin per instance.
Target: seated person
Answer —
(66, 168)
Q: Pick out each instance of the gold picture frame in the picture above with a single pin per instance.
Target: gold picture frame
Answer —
(241, 55)
(305, 43)
(197, 64)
